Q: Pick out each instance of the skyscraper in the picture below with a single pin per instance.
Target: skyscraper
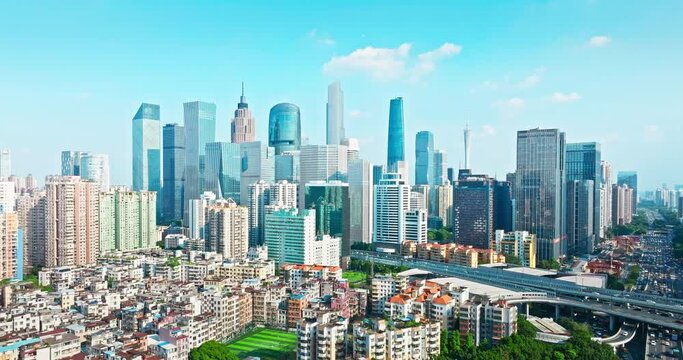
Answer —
(71, 162)
(473, 205)
(258, 163)
(335, 114)
(226, 229)
(580, 217)
(200, 129)
(31, 209)
(395, 143)
(7, 195)
(95, 167)
(147, 148)
(630, 178)
(5, 163)
(622, 204)
(196, 209)
(539, 189)
(223, 170)
(174, 167)
(72, 221)
(127, 220)
(287, 166)
(391, 202)
(361, 189)
(424, 158)
(440, 173)
(243, 125)
(582, 162)
(467, 136)
(282, 194)
(284, 128)
(606, 196)
(9, 241)
(331, 202)
(322, 163)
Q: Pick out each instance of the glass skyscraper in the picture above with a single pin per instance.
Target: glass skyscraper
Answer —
(424, 158)
(395, 143)
(71, 162)
(539, 189)
(284, 128)
(335, 114)
(147, 148)
(200, 129)
(332, 210)
(174, 166)
(223, 170)
(582, 163)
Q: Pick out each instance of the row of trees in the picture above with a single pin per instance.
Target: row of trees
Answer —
(366, 267)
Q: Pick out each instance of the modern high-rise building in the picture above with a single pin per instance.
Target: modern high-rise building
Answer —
(377, 173)
(332, 205)
(467, 136)
(441, 204)
(630, 178)
(606, 198)
(424, 158)
(7, 196)
(440, 170)
(287, 166)
(361, 189)
(580, 216)
(352, 147)
(322, 163)
(223, 170)
(261, 194)
(416, 226)
(127, 220)
(243, 125)
(174, 168)
(335, 114)
(539, 189)
(147, 148)
(473, 208)
(391, 201)
(502, 206)
(72, 221)
(622, 204)
(200, 129)
(582, 162)
(291, 239)
(227, 230)
(258, 163)
(284, 128)
(196, 212)
(95, 167)
(10, 242)
(5, 163)
(71, 162)
(31, 210)
(396, 139)
(517, 243)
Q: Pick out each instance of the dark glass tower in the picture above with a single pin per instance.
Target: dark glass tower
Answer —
(582, 164)
(284, 128)
(395, 144)
(332, 210)
(223, 170)
(174, 166)
(424, 158)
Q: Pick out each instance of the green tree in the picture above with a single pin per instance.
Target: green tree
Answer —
(172, 261)
(212, 350)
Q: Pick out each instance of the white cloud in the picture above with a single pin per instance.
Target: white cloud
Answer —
(599, 41)
(390, 63)
(320, 38)
(533, 79)
(563, 98)
(487, 130)
(510, 107)
(652, 133)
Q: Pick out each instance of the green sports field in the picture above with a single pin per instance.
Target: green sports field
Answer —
(268, 344)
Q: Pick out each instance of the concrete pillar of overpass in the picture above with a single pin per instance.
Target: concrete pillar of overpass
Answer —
(611, 323)
(527, 310)
(557, 311)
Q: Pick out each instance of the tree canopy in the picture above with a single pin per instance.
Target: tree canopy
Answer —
(212, 350)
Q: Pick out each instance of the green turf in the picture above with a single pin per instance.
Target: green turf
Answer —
(354, 276)
(268, 344)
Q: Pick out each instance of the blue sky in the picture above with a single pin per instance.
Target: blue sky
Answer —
(72, 74)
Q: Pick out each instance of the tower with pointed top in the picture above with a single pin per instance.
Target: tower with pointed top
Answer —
(467, 135)
(243, 125)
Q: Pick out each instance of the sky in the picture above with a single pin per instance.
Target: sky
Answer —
(72, 74)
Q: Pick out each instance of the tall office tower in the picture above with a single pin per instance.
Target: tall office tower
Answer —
(518, 243)
(11, 249)
(5, 163)
(416, 226)
(440, 170)
(127, 220)
(72, 221)
(606, 205)
(467, 136)
(196, 211)
(174, 168)
(200, 129)
(391, 201)
(451, 174)
(539, 189)
(223, 170)
(258, 163)
(95, 167)
(352, 147)
(622, 204)
(377, 173)
(503, 209)
(322, 163)
(284, 128)
(580, 217)
(291, 239)
(332, 205)
(243, 125)
(441, 204)
(360, 190)
(582, 162)
(147, 148)
(630, 178)
(287, 166)
(71, 162)
(227, 230)
(424, 158)
(335, 114)
(7, 196)
(473, 210)
(419, 197)
(31, 210)
(31, 183)
(261, 194)
(395, 143)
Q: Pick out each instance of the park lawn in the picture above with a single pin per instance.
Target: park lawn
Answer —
(354, 276)
(268, 344)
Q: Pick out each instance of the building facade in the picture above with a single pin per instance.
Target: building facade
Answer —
(227, 230)
(335, 114)
(243, 125)
(174, 170)
(396, 139)
(258, 164)
(223, 170)
(361, 191)
(322, 163)
(147, 148)
(332, 205)
(284, 128)
(391, 201)
(200, 129)
(261, 194)
(127, 220)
